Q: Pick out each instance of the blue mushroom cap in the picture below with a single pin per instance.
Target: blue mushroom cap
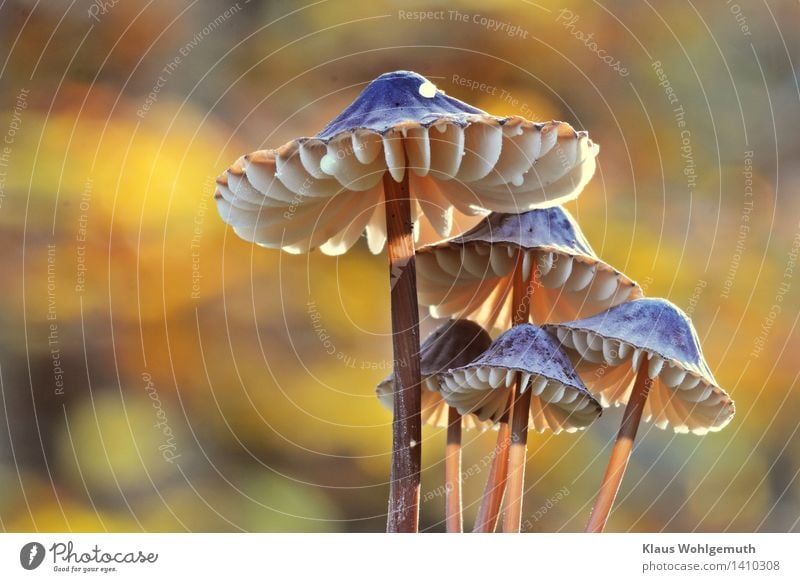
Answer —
(539, 228)
(655, 337)
(559, 399)
(532, 350)
(395, 98)
(469, 276)
(652, 324)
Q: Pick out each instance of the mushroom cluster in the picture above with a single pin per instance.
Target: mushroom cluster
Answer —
(408, 165)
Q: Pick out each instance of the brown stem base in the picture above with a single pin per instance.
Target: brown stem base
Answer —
(452, 469)
(621, 453)
(517, 455)
(492, 499)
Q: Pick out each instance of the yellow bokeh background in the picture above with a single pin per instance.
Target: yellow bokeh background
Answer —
(159, 374)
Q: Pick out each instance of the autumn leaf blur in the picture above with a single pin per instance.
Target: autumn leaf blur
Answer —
(160, 374)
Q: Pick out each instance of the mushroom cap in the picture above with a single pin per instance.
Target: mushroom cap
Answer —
(455, 343)
(324, 191)
(396, 98)
(610, 347)
(472, 275)
(559, 400)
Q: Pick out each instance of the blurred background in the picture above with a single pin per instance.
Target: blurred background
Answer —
(159, 374)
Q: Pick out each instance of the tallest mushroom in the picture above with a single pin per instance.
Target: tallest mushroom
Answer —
(401, 152)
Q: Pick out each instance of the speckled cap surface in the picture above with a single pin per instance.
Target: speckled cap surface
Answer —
(610, 348)
(526, 354)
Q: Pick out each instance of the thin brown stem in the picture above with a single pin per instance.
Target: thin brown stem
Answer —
(517, 455)
(489, 510)
(406, 425)
(492, 499)
(452, 471)
(520, 412)
(621, 453)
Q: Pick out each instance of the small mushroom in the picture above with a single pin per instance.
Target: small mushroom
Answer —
(645, 354)
(471, 276)
(401, 151)
(551, 396)
(454, 344)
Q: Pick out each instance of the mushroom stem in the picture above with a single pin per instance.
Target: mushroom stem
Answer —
(501, 463)
(406, 425)
(517, 455)
(492, 499)
(621, 453)
(520, 411)
(452, 470)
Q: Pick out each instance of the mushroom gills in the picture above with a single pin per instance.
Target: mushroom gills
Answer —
(654, 365)
(581, 276)
(482, 144)
(497, 377)
(500, 261)
(559, 273)
(474, 263)
(447, 149)
(603, 286)
(672, 374)
(418, 149)
(538, 384)
(565, 337)
(553, 392)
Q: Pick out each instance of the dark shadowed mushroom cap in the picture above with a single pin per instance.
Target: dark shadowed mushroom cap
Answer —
(471, 275)
(324, 191)
(559, 400)
(454, 344)
(612, 345)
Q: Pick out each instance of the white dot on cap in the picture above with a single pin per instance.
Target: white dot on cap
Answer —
(327, 164)
(427, 89)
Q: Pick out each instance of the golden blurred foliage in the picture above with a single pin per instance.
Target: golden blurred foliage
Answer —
(160, 374)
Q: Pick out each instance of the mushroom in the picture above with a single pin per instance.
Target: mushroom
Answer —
(646, 354)
(471, 275)
(513, 268)
(401, 151)
(550, 395)
(454, 344)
